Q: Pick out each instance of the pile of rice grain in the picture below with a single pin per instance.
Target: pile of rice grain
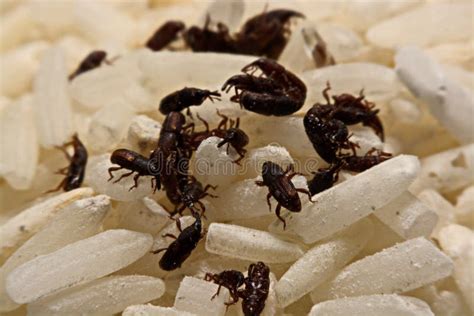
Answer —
(396, 239)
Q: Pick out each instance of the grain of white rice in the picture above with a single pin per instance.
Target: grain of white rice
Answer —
(403, 267)
(16, 27)
(245, 199)
(448, 101)
(458, 242)
(322, 261)
(351, 200)
(446, 171)
(28, 222)
(119, 82)
(76, 263)
(249, 244)
(18, 155)
(142, 133)
(80, 220)
(18, 68)
(114, 36)
(443, 209)
(53, 111)
(372, 305)
(408, 216)
(97, 177)
(465, 207)
(228, 12)
(105, 296)
(52, 18)
(378, 82)
(457, 18)
(151, 310)
(441, 301)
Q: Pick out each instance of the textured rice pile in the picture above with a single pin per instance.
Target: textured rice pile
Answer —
(396, 239)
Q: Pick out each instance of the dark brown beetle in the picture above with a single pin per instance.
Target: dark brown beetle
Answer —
(231, 134)
(166, 33)
(293, 86)
(173, 123)
(277, 92)
(167, 170)
(238, 139)
(353, 110)
(92, 61)
(191, 192)
(328, 136)
(325, 178)
(281, 188)
(130, 160)
(249, 83)
(207, 40)
(186, 97)
(170, 158)
(263, 35)
(362, 163)
(74, 173)
(164, 163)
(180, 249)
(230, 279)
(266, 34)
(255, 293)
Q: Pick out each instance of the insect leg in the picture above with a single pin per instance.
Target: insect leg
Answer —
(135, 181)
(305, 192)
(269, 195)
(158, 250)
(58, 187)
(169, 235)
(277, 212)
(113, 169)
(124, 176)
(217, 293)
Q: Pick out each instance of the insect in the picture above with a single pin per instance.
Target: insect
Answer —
(186, 97)
(180, 249)
(281, 188)
(166, 170)
(74, 173)
(191, 191)
(230, 279)
(231, 135)
(130, 160)
(250, 83)
(92, 61)
(266, 34)
(170, 159)
(353, 110)
(324, 178)
(328, 136)
(192, 138)
(166, 33)
(207, 40)
(255, 293)
(276, 92)
(362, 163)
